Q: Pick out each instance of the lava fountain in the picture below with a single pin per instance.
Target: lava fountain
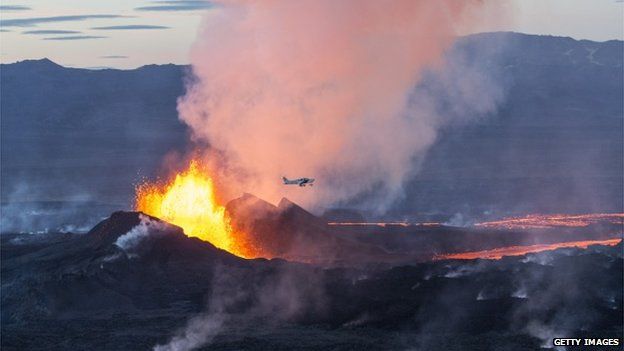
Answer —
(189, 201)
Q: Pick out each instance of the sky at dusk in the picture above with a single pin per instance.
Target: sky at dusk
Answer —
(132, 33)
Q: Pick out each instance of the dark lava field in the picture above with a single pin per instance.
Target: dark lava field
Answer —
(157, 288)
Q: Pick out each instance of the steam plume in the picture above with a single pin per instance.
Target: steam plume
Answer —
(319, 88)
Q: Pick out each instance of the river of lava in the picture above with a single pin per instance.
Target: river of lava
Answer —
(188, 200)
(543, 221)
(498, 253)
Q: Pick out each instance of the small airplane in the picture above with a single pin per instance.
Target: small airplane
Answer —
(299, 181)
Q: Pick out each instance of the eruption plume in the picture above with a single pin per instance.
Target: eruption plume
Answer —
(318, 88)
(189, 201)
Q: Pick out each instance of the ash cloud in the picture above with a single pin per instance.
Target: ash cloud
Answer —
(326, 90)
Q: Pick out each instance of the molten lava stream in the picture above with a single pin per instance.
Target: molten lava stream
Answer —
(498, 253)
(545, 221)
(188, 200)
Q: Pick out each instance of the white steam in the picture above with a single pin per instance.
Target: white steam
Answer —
(325, 89)
(140, 232)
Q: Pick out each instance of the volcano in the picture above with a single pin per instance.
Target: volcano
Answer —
(52, 277)
(134, 280)
(288, 231)
(499, 172)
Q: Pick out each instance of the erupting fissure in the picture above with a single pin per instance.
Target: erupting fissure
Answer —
(189, 200)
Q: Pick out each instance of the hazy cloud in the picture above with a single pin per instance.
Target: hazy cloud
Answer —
(14, 8)
(50, 31)
(4, 30)
(75, 37)
(335, 106)
(172, 5)
(114, 57)
(33, 21)
(130, 27)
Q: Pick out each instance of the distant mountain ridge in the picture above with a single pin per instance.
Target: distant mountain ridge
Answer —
(554, 145)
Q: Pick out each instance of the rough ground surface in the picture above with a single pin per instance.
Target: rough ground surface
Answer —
(85, 292)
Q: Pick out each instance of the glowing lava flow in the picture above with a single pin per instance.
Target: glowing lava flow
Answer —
(542, 221)
(498, 253)
(189, 201)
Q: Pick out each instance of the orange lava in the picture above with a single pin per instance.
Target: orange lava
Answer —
(498, 253)
(542, 221)
(188, 200)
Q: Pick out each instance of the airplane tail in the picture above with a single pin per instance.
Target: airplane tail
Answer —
(285, 180)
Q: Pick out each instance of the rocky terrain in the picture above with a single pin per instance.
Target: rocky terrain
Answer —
(135, 282)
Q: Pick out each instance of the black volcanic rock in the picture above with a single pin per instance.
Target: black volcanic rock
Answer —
(119, 223)
(282, 305)
(247, 204)
(288, 231)
(92, 289)
(264, 226)
(161, 265)
(293, 212)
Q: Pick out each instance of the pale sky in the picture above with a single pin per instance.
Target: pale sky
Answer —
(132, 33)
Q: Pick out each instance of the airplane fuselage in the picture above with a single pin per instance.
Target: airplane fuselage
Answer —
(299, 181)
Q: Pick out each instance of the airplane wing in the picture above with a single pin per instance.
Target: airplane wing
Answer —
(298, 181)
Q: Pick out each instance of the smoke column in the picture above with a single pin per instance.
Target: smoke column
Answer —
(318, 88)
